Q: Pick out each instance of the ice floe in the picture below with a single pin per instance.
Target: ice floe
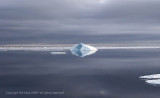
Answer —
(57, 53)
(154, 76)
(155, 82)
(152, 79)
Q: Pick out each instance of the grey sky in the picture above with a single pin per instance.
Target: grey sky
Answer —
(21, 19)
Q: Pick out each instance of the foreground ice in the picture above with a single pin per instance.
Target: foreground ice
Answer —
(155, 82)
(152, 79)
(154, 76)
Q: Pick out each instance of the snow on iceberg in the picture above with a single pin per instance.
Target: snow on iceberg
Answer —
(83, 50)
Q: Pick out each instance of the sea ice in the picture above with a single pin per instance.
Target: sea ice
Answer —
(152, 79)
(154, 76)
(153, 82)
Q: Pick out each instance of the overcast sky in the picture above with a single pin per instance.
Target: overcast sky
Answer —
(72, 21)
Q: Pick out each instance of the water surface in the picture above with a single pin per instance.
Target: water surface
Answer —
(105, 74)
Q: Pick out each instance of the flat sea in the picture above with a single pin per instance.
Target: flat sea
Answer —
(104, 74)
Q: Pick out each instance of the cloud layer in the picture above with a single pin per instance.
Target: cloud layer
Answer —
(57, 18)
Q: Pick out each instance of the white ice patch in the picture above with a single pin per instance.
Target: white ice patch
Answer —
(154, 76)
(151, 79)
(153, 82)
(57, 53)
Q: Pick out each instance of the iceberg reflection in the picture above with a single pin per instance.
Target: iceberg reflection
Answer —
(82, 53)
(152, 79)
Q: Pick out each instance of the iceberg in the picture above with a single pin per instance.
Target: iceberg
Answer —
(83, 47)
(82, 50)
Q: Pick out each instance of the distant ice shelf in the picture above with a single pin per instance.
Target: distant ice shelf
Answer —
(32, 48)
(65, 47)
(130, 47)
(68, 48)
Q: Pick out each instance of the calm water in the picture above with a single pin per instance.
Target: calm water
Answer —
(105, 74)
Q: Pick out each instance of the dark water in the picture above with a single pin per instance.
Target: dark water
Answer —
(105, 74)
